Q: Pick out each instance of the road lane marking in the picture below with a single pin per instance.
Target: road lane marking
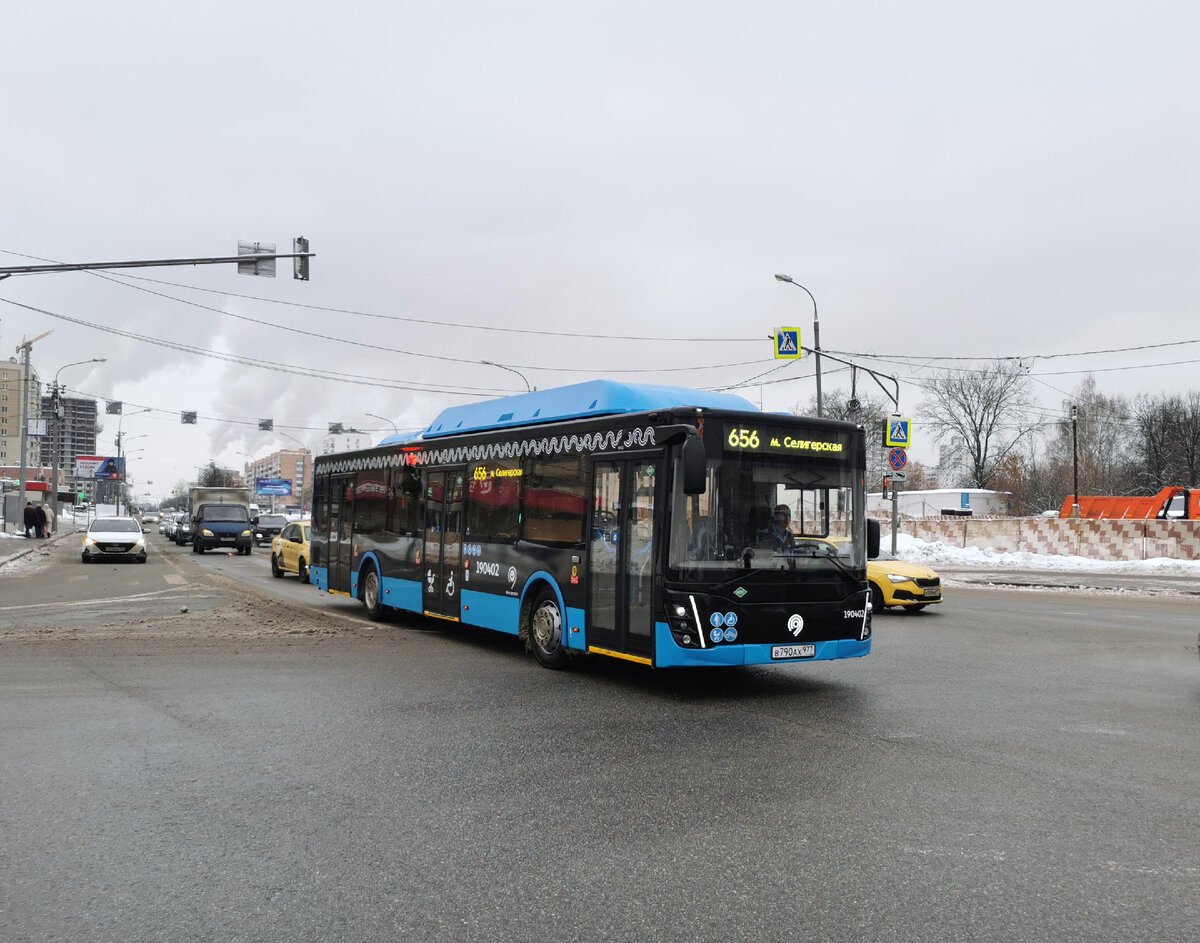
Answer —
(160, 593)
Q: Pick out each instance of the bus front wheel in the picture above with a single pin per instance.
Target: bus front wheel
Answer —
(371, 595)
(546, 632)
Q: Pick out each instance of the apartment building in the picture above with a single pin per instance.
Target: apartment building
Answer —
(294, 465)
(73, 434)
(12, 416)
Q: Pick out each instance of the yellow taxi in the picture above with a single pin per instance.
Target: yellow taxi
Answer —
(896, 583)
(290, 550)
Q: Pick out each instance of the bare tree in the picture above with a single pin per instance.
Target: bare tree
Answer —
(1156, 424)
(1100, 438)
(213, 476)
(1169, 438)
(1189, 440)
(987, 408)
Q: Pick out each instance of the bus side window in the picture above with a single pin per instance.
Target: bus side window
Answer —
(493, 501)
(404, 498)
(554, 501)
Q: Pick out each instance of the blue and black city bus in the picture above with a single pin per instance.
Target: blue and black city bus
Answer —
(660, 525)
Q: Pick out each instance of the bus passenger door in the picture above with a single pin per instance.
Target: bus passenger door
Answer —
(341, 532)
(621, 556)
(441, 558)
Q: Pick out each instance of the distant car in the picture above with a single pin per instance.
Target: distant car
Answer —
(290, 551)
(267, 527)
(907, 585)
(114, 538)
(183, 531)
(149, 518)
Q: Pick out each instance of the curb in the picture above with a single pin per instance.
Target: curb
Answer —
(1077, 580)
(34, 545)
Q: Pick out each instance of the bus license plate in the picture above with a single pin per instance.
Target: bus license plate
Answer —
(793, 651)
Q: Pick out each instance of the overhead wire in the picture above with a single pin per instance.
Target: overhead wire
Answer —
(310, 372)
(124, 280)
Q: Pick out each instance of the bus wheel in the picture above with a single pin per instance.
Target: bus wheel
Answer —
(370, 594)
(545, 632)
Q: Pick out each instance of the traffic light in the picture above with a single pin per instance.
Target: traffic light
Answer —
(300, 265)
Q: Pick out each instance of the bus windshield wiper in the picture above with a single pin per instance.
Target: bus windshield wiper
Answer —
(816, 554)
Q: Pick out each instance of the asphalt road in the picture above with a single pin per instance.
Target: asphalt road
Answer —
(1006, 766)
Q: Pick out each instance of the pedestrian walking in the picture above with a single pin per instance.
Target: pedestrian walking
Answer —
(39, 519)
(30, 518)
(49, 519)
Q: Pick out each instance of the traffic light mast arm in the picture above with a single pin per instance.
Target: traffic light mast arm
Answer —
(875, 375)
(6, 271)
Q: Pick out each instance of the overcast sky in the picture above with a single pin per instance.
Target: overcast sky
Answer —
(480, 179)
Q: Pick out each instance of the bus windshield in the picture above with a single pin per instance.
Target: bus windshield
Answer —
(760, 512)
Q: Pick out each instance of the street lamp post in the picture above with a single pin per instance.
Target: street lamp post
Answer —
(56, 437)
(490, 363)
(395, 428)
(816, 333)
(26, 379)
(120, 456)
(292, 437)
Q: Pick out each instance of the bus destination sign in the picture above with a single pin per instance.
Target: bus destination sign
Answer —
(782, 440)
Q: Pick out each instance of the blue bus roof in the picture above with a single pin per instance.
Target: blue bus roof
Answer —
(579, 400)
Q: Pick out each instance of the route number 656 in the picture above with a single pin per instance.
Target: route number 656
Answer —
(743, 438)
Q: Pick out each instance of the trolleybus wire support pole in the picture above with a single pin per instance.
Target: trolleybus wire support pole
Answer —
(57, 438)
(895, 398)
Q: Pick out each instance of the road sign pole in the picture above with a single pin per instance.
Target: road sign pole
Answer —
(895, 514)
(896, 497)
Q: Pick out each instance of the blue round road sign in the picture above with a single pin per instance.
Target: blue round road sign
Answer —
(897, 458)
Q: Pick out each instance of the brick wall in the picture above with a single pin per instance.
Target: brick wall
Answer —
(1098, 540)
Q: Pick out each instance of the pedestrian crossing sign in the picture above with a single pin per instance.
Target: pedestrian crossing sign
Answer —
(787, 343)
(897, 432)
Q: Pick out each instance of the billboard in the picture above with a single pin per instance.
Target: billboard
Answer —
(276, 486)
(107, 467)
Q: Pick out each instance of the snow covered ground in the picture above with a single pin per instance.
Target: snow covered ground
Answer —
(938, 554)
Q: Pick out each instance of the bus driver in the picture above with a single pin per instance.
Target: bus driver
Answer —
(780, 537)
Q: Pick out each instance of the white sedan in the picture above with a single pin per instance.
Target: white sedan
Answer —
(114, 538)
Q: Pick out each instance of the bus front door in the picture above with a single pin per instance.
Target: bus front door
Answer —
(341, 532)
(621, 556)
(441, 558)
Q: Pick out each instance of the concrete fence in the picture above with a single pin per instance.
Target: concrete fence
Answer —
(1098, 540)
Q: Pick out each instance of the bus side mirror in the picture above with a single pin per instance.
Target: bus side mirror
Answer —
(872, 539)
(692, 456)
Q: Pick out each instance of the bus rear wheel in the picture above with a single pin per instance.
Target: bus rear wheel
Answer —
(370, 595)
(545, 632)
